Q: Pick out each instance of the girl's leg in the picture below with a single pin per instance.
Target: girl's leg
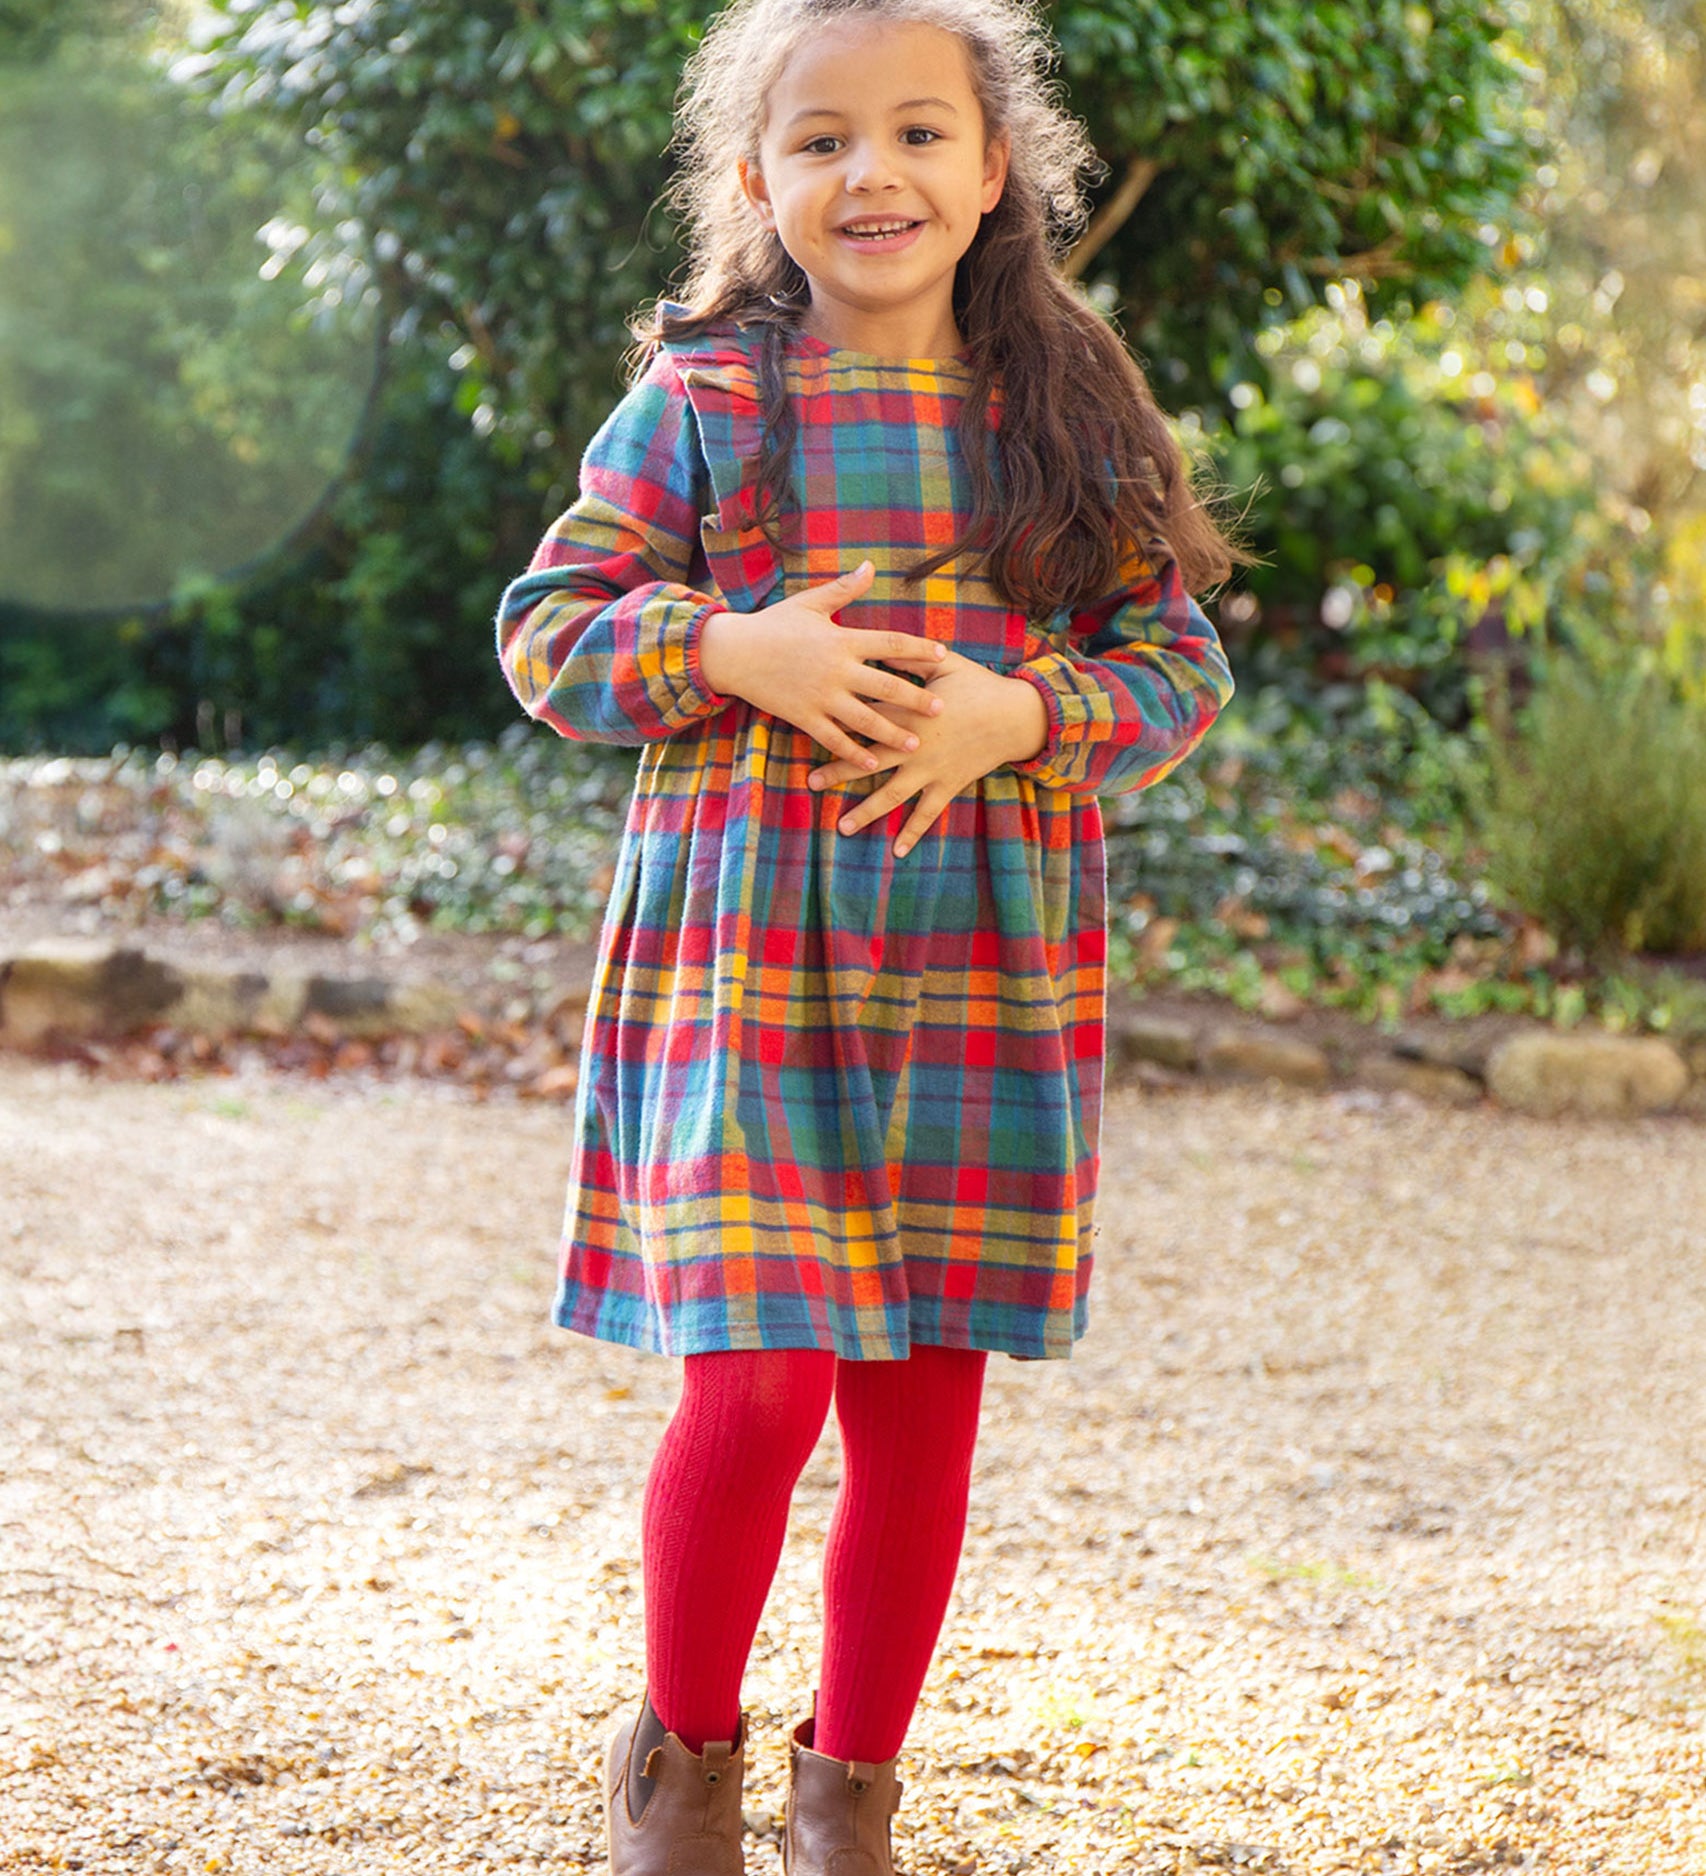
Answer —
(908, 1429)
(713, 1520)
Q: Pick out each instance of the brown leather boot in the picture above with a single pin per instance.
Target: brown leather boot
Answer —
(690, 1824)
(838, 1811)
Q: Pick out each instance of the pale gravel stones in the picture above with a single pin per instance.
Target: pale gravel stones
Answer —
(1362, 1533)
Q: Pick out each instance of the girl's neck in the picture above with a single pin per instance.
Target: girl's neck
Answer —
(898, 336)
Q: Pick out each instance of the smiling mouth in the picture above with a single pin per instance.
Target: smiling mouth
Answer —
(877, 230)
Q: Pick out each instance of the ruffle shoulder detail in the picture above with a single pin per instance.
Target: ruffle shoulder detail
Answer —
(718, 369)
(721, 361)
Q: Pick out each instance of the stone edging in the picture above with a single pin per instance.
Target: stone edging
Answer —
(89, 988)
(1536, 1070)
(93, 989)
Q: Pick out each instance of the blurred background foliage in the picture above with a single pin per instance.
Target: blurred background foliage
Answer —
(1422, 286)
(169, 398)
(488, 171)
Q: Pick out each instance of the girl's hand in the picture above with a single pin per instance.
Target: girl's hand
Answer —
(795, 662)
(989, 720)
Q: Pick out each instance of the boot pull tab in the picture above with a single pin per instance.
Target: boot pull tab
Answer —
(860, 1776)
(717, 1754)
(653, 1766)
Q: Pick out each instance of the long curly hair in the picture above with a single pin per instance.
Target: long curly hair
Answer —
(1082, 470)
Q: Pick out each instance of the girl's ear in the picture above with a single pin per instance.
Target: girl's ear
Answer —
(997, 154)
(756, 191)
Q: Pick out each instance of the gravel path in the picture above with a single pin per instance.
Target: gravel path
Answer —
(1364, 1532)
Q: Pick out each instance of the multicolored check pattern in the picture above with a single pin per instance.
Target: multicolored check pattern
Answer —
(830, 1097)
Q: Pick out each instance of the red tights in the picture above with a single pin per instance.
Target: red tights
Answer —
(716, 1512)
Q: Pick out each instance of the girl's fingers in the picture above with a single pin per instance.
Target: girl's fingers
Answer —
(831, 595)
(892, 646)
(915, 697)
(874, 806)
(942, 658)
(863, 761)
(843, 769)
(918, 823)
(885, 730)
(893, 692)
(894, 793)
(854, 757)
(885, 736)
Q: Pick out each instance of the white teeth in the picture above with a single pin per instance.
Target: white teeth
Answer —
(875, 229)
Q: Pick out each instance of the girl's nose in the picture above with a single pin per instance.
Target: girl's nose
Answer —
(868, 169)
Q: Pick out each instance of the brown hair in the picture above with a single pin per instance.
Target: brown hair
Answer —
(1082, 470)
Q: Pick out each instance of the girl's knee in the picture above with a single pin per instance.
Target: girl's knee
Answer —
(759, 1408)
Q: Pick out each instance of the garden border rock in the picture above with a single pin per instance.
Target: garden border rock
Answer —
(96, 988)
(93, 989)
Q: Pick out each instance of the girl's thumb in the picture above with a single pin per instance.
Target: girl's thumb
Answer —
(843, 587)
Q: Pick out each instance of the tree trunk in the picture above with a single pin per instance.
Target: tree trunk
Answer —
(1107, 221)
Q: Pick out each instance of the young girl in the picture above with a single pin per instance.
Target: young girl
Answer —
(885, 561)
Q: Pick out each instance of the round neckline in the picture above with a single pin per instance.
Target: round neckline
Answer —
(875, 360)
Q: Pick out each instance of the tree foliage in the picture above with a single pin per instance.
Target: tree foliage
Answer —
(504, 157)
(495, 165)
(375, 623)
(1283, 147)
(1597, 315)
(1624, 202)
(172, 398)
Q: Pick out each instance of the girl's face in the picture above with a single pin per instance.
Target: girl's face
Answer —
(874, 172)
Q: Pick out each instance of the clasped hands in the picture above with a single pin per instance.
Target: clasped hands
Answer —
(962, 722)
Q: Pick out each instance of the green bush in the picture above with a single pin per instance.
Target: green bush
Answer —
(376, 624)
(494, 168)
(1407, 494)
(1597, 818)
(178, 385)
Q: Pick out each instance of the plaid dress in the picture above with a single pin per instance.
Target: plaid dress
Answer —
(830, 1098)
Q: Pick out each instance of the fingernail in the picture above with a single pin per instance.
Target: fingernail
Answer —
(939, 651)
(844, 827)
(903, 848)
(870, 762)
(912, 742)
(813, 781)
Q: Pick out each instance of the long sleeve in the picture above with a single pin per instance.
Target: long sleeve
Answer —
(1140, 695)
(600, 637)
